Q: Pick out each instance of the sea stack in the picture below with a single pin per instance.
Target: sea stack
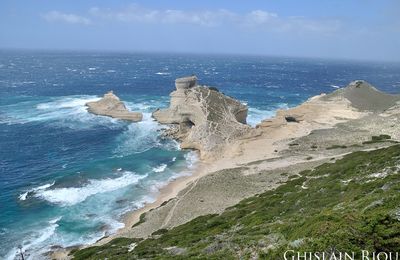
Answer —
(203, 118)
(110, 105)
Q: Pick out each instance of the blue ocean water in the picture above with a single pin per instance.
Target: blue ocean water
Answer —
(67, 177)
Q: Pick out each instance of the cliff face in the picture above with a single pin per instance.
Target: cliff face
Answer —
(204, 118)
(111, 106)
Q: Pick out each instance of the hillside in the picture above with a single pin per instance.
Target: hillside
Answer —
(347, 205)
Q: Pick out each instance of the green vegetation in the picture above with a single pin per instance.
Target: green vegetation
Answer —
(213, 88)
(141, 220)
(351, 204)
(379, 139)
(335, 146)
(117, 248)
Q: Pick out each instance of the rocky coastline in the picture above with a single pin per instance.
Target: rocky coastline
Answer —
(202, 118)
(239, 161)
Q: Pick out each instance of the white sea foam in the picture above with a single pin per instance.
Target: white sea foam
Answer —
(163, 73)
(73, 195)
(143, 201)
(69, 111)
(23, 196)
(31, 246)
(191, 158)
(160, 168)
(334, 86)
(138, 137)
(255, 115)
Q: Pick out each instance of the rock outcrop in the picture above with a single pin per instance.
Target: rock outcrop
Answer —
(110, 105)
(202, 117)
(365, 97)
(356, 99)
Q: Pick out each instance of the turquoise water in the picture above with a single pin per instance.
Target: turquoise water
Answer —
(67, 177)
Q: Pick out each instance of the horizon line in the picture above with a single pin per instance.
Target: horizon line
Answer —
(198, 53)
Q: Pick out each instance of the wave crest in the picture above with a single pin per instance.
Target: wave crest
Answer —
(73, 195)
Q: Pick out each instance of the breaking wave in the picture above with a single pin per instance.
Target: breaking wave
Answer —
(69, 111)
(255, 115)
(191, 158)
(73, 195)
(160, 168)
(25, 195)
(34, 242)
(138, 137)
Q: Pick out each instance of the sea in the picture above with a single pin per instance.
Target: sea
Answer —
(67, 177)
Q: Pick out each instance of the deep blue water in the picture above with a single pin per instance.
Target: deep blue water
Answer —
(67, 176)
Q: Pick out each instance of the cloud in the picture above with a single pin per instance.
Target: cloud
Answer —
(138, 14)
(256, 19)
(273, 22)
(55, 16)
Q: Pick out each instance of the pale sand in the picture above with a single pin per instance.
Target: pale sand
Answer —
(256, 163)
(261, 144)
(166, 193)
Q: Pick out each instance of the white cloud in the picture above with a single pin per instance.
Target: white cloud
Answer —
(135, 13)
(55, 16)
(257, 19)
(260, 19)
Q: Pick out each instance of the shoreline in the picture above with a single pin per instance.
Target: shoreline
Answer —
(167, 192)
(274, 144)
(261, 143)
(243, 152)
(130, 218)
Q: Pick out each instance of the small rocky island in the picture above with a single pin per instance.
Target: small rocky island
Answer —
(202, 118)
(110, 105)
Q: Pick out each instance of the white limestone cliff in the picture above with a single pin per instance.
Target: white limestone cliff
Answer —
(204, 118)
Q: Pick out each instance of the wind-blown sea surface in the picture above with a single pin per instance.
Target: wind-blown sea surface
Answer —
(67, 177)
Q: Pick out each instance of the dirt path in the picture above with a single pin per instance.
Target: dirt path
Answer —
(179, 198)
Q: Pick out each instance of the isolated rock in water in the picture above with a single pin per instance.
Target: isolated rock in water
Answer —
(205, 119)
(110, 105)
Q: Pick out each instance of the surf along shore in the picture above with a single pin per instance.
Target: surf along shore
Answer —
(249, 161)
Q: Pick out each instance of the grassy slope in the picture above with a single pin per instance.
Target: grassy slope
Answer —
(337, 206)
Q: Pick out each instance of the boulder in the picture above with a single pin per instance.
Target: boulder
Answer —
(205, 119)
(110, 105)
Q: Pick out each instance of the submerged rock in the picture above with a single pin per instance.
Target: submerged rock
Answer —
(110, 105)
(206, 119)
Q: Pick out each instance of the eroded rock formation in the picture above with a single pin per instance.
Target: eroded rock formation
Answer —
(110, 105)
(356, 99)
(202, 117)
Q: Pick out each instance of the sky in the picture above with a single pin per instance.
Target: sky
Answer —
(343, 29)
